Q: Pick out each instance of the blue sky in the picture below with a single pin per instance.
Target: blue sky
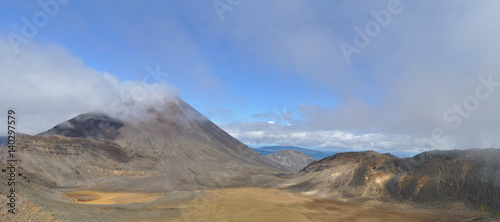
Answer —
(274, 72)
(122, 37)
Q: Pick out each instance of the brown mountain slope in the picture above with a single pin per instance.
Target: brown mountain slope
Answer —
(437, 178)
(171, 147)
(294, 161)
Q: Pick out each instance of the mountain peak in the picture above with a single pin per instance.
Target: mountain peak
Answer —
(182, 149)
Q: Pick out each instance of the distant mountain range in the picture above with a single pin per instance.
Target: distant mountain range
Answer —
(317, 155)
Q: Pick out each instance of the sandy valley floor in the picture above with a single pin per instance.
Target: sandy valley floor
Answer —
(257, 204)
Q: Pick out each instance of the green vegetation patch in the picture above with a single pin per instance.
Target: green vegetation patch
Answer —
(484, 207)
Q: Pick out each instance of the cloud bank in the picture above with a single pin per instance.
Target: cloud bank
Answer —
(47, 85)
(414, 85)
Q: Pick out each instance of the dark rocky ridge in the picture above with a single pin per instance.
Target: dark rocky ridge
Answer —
(370, 157)
(434, 179)
(88, 125)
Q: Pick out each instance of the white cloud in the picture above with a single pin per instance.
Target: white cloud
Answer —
(46, 85)
(259, 134)
(427, 60)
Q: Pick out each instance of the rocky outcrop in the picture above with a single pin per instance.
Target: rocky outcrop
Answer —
(435, 178)
(88, 125)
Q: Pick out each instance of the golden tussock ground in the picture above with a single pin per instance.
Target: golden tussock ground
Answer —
(258, 204)
(95, 197)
